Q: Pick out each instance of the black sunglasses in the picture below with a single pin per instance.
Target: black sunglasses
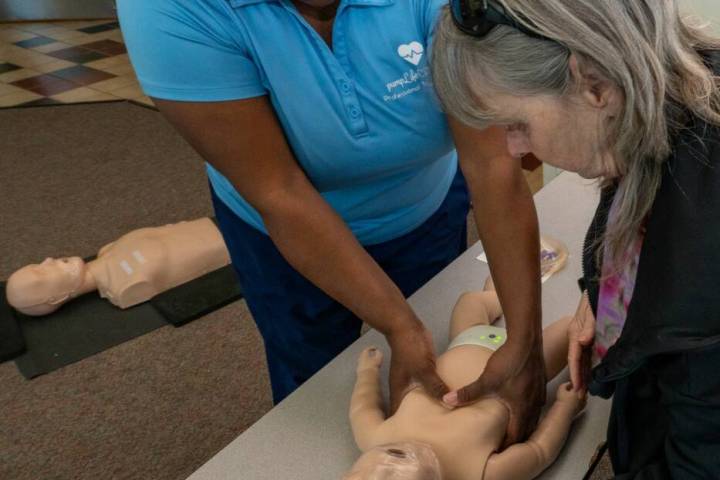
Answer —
(479, 17)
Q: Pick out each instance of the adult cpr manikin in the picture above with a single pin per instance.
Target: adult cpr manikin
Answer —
(128, 271)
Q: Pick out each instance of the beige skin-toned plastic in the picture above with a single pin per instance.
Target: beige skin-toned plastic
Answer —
(465, 441)
(128, 271)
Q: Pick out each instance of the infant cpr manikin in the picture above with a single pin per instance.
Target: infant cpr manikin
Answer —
(425, 440)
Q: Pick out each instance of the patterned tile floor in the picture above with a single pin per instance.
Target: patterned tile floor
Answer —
(65, 62)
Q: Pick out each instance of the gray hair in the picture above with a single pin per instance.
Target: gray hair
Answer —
(643, 47)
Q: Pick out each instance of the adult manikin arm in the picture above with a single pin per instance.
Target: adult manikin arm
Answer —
(366, 404)
(525, 461)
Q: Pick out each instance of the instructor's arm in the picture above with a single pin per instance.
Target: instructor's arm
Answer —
(508, 227)
(244, 141)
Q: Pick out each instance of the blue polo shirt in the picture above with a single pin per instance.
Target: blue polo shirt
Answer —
(361, 118)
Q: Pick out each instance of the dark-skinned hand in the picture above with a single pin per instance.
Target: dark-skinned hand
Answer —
(515, 375)
(413, 359)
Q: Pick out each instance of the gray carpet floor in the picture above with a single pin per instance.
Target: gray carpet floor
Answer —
(74, 178)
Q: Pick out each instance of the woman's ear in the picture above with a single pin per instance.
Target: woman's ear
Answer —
(593, 87)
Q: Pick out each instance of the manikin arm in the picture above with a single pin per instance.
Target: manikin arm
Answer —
(525, 461)
(366, 404)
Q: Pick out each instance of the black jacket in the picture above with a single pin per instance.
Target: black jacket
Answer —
(676, 302)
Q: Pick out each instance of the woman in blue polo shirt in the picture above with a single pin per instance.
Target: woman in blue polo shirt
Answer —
(333, 171)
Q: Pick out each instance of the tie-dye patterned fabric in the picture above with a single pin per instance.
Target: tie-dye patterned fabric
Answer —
(616, 290)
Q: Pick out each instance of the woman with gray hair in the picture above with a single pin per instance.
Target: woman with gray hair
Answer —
(625, 92)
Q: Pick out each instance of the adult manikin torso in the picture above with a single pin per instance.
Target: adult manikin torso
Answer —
(149, 261)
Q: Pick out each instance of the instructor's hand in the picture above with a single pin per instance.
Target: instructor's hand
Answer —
(515, 375)
(413, 358)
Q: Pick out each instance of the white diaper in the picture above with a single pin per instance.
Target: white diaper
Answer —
(482, 335)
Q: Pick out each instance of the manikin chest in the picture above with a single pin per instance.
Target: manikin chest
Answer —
(464, 438)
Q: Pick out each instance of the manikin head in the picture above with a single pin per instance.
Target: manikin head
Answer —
(40, 289)
(397, 461)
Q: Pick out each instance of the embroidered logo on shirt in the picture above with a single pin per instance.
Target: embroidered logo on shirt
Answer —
(411, 52)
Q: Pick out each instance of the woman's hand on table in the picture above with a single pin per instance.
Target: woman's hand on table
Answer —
(413, 358)
(515, 375)
(581, 335)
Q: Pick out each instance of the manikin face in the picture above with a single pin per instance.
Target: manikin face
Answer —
(50, 282)
(397, 461)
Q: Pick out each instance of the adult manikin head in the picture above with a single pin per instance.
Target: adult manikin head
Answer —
(39, 289)
(397, 461)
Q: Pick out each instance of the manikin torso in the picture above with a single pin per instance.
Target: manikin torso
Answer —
(148, 261)
(463, 438)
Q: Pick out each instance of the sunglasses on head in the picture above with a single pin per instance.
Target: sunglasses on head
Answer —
(479, 17)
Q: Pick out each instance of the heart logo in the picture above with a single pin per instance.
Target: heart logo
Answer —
(412, 52)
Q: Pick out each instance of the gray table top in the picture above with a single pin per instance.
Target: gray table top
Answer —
(308, 435)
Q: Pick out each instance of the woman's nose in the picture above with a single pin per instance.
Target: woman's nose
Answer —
(518, 142)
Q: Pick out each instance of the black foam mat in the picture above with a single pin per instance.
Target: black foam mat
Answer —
(12, 342)
(81, 328)
(90, 324)
(192, 300)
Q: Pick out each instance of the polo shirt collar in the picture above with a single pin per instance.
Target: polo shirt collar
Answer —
(371, 3)
(242, 3)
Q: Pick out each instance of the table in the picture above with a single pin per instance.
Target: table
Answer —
(308, 435)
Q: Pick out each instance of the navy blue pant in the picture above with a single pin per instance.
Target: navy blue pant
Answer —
(303, 328)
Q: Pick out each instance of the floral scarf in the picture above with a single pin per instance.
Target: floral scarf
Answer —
(616, 290)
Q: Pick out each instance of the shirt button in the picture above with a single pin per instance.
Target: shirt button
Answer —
(354, 112)
(345, 88)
